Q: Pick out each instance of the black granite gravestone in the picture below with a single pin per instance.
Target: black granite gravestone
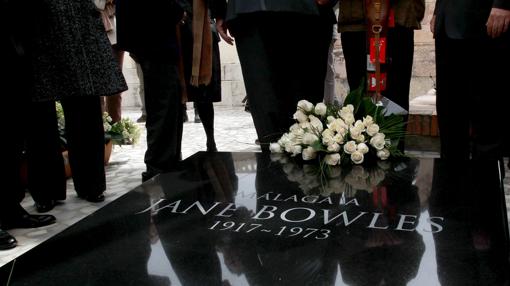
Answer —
(262, 219)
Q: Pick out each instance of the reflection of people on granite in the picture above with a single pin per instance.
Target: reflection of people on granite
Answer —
(472, 248)
(389, 250)
(188, 244)
(110, 247)
(288, 260)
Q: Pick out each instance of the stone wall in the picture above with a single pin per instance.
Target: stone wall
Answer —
(233, 90)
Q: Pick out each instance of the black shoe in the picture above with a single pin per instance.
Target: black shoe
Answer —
(7, 241)
(93, 198)
(28, 221)
(197, 119)
(46, 206)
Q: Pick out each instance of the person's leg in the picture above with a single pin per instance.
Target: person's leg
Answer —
(164, 116)
(355, 55)
(304, 78)
(85, 140)
(206, 112)
(491, 97)
(400, 67)
(454, 75)
(46, 173)
(253, 53)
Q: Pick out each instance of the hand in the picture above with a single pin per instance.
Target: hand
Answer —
(222, 29)
(433, 24)
(498, 22)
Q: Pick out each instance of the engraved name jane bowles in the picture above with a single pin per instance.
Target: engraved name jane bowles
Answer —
(344, 214)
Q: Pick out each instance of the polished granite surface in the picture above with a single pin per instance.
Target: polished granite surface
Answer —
(261, 219)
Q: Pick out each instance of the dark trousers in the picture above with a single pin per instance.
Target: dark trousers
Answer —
(30, 140)
(164, 115)
(400, 50)
(283, 59)
(471, 96)
(85, 143)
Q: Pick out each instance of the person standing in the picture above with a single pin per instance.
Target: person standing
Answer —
(202, 95)
(352, 25)
(472, 57)
(283, 49)
(148, 31)
(60, 52)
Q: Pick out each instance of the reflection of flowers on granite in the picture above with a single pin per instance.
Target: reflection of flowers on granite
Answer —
(317, 180)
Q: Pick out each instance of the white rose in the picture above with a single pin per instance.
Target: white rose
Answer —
(305, 105)
(350, 147)
(309, 138)
(328, 133)
(357, 157)
(327, 139)
(320, 109)
(305, 125)
(296, 150)
(349, 109)
(275, 148)
(316, 123)
(337, 125)
(294, 127)
(360, 138)
(330, 119)
(372, 129)
(355, 131)
(300, 116)
(332, 159)
(349, 119)
(334, 147)
(359, 125)
(297, 132)
(338, 138)
(383, 154)
(378, 141)
(309, 154)
(363, 148)
(368, 120)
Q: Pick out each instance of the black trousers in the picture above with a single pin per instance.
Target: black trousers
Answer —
(30, 139)
(164, 115)
(472, 96)
(85, 143)
(400, 51)
(283, 59)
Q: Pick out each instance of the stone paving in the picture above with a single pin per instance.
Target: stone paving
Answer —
(234, 132)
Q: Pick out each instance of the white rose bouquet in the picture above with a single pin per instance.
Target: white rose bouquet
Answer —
(358, 131)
